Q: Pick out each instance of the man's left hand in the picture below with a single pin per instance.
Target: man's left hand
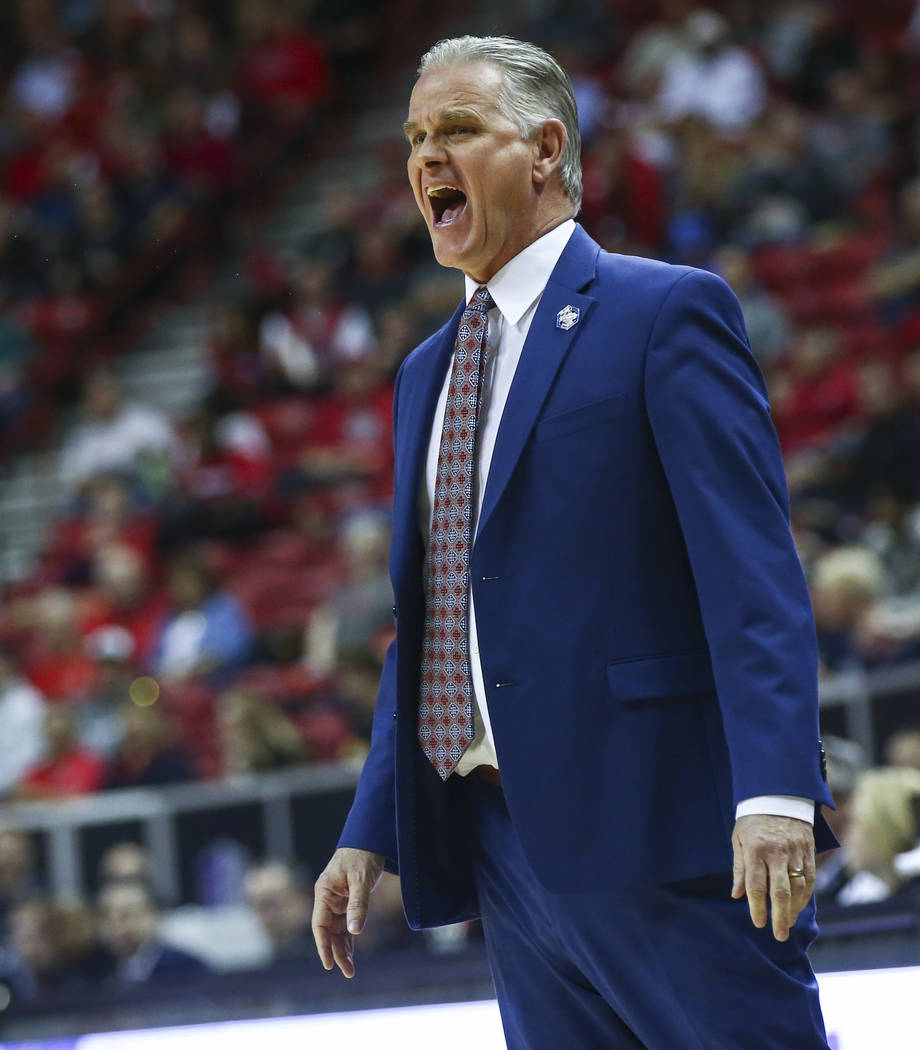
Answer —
(767, 849)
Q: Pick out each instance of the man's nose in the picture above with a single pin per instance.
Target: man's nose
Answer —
(430, 153)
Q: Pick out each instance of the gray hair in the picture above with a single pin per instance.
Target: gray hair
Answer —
(535, 88)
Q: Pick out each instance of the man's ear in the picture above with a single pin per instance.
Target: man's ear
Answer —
(549, 144)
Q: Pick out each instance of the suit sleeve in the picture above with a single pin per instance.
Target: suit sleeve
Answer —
(371, 821)
(708, 408)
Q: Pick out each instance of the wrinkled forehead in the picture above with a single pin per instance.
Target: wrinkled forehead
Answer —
(473, 86)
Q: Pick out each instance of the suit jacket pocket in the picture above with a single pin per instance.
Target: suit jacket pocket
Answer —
(578, 418)
(671, 676)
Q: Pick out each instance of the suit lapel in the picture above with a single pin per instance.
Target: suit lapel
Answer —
(418, 397)
(544, 351)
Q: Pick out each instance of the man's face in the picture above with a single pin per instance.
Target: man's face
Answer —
(282, 908)
(127, 919)
(483, 208)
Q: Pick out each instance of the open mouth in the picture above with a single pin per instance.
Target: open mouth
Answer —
(447, 204)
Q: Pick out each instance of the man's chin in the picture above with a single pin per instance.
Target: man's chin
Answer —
(450, 250)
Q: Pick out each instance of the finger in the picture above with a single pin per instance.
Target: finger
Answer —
(808, 863)
(358, 895)
(755, 881)
(802, 888)
(780, 897)
(321, 935)
(343, 950)
(737, 868)
(323, 943)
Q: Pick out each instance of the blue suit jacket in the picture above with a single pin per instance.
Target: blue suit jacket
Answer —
(646, 636)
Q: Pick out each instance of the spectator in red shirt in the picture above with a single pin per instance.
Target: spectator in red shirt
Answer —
(201, 162)
(351, 434)
(624, 194)
(283, 66)
(123, 596)
(818, 392)
(67, 769)
(55, 661)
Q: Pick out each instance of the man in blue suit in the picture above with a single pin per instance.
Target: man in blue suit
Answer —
(601, 700)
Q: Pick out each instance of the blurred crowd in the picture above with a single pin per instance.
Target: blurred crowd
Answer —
(129, 128)
(124, 937)
(216, 600)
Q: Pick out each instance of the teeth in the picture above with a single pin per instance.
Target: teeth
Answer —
(441, 191)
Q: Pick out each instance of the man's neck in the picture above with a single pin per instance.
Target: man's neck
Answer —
(540, 230)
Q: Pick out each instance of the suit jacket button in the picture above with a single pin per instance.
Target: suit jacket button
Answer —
(394, 612)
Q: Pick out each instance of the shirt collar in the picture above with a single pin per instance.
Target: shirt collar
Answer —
(522, 279)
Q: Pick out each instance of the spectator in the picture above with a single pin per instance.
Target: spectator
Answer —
(624, 192)
(128, 926)
(653, 47)
(18, 881)
(893, 532)
(108, 518)
(888, 446)
(283, 907)
(320, 333)
(883, 826)
(240, 373)
(254, 736)
(350, 438)
(200, 160)
(715, 79)
(845, 584)
(846, 760)
(364, 604)
(284, 68)
(902, 749)
(206, 631)
(68, 769)
(817, 393)
(895, 278)
(851, 136)
(33, 965)
(86, 963)
(146, 756)
(100, 727)
(54, 659)
(226, 479)
(124, 597)
(358, 679)
(767, 324)
(124, 862)
(22, 709)
(117, 435)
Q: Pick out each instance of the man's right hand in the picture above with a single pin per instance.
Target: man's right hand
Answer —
(340, 905)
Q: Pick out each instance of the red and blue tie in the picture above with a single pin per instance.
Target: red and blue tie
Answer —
(445, 713)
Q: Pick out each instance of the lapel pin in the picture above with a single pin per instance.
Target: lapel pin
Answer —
(567, 317)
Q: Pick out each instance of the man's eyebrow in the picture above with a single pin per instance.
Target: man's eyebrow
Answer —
(450, 116)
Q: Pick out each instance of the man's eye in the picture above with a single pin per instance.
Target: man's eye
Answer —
(462, 130)
(418, 138)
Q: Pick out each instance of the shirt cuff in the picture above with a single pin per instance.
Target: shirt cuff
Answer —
(777, 806)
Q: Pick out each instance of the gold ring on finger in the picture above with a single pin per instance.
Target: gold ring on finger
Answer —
(796, 873)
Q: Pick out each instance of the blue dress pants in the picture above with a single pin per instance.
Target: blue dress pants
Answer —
(677, 967)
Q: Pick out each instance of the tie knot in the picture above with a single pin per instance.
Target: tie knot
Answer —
(481, 301)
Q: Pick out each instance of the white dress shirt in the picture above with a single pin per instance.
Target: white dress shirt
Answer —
(517, 289)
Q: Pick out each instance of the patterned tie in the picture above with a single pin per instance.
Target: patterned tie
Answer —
(445, 712)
